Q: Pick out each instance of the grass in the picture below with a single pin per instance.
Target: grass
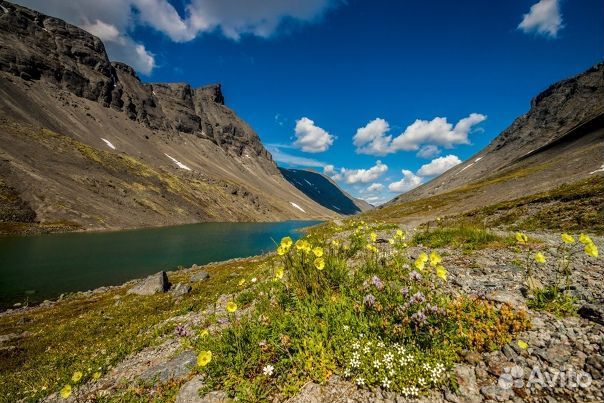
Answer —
(465, 236)
(95, 332)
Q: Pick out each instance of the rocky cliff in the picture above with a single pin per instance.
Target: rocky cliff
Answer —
(85, 143)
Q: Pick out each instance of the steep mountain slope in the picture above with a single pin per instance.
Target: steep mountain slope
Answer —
(324, 191)
(85, 143)
(558, 141)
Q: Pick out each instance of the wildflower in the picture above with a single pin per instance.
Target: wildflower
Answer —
(377, 364)
(360, 381)
(423, 257)
(241, 282)
(204, 358)
(281, 250)
(373, 237)
(417, 298)
(75, 378)
(415, 276)
(441, 272)
(254, 279)
(286, 242)
(521, 238)
(369, 300)
(567, 238)
(335, 243)
(522, 344)
(279, 271)
(404, 291)
(96, 376)
(400, 234)
(591, 249)
(372, 248)
(65, 391)
(302, 245)
(391, 241)
(204, 333)
(419, 317)
(377, 283)
(435, 258)
(419, 264)
(539, 257)
(386, 383)
(268, 370)
(585, 239)
(319, 263)
(231, 306)
(181, 331)
(318, 251)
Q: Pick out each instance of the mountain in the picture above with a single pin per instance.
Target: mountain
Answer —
(84, 143)
(558, 142)
(324, 191)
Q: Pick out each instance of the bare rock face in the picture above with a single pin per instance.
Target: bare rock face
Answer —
(154, 284)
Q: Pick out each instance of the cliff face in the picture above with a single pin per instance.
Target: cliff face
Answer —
(61, 99)
(564, 124)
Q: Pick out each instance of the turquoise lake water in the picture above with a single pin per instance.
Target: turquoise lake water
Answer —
(35, 268)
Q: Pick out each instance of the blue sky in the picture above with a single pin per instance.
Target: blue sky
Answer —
(307, 75)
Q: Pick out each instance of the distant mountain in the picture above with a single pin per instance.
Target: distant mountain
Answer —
(324, 191)
(558, 141)
(85, 143)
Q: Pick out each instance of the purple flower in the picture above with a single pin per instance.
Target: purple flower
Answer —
(418, 317)
(369, 300)
(377, 283)
(182, 331)
(417, 298)
(415, 276)
(405, 291)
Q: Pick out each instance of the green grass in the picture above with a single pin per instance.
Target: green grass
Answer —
(466, 237)
(552, 300)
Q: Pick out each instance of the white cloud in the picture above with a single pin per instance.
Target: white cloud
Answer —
(543, 18)
(428, 151)
(421, 134)
(409, 181)
(372, 138)
(233, 18)
(311, 138)
(352, 176)
(289, 159)
(438, 166)
(375, 187)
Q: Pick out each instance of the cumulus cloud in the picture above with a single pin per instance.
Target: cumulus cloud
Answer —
(290, 159)
(352, 176)
(428, 151)
(310, 137)
(408, 182)
(423, 135)
(544, 18)
(233, 18)
(438, 165)
(374, 187)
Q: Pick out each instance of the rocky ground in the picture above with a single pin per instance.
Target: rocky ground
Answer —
(562, 359)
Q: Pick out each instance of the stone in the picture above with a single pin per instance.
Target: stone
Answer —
(180, 289)
(154, 284)
(216, 396)
(468, 387)
(514, 300)
(555, 355)
(200, 276)
(494, 392)
(189, 392)
(472, 357)
(176, 368)
(592, 312)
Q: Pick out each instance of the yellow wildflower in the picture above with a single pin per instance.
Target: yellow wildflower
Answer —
(335, 243)
(423, 257)
(539, 257)
(522, 344)
(319, 263)
(400, 234)
(281, 250)
(585, 239)
(435, 258)
(441, 272)
(373, 236)
(204, 358)
(231, 306)
(75, 378)
(419, 264)
(591, 249)
(391, 241)
(65, 391)
(286, 242)
(241, 282)
(204, 333)
(521, 238)
(318, 251)
(567, 238)
(279, 273)
(96, 376)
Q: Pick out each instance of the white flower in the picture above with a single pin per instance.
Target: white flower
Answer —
(346, 373)
(355, 345)
(346, 327)
(268, 370)
(386, 383)
(354, 363)
(360, 381)
(376, 364)
(388, 357)
(254, 280)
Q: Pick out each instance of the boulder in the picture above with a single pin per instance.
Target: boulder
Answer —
(468, 387)
(514, 300)
(176, 368)
(180, 289)
(189, 392)
(592, 312)
(200, 276)
(154, 284)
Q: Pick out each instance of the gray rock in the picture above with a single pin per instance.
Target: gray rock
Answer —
(201, 276)
(189, 392)
(154, 284)
(592, 312)
(494, 392)
(556, 355)
(216, 396)
(468, 387)
(180, 289)
(514, 300)
(176, 368)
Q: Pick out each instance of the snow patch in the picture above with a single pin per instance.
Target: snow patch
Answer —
(308, 182)
(336, 207)
(298, 207)
(601, 169)
(477, 159)
(109, 143)
(153, 92)
(464, 168)
(4, 9)
(178, 163)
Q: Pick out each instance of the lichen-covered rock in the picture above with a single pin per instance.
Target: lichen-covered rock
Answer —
(154, 284)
